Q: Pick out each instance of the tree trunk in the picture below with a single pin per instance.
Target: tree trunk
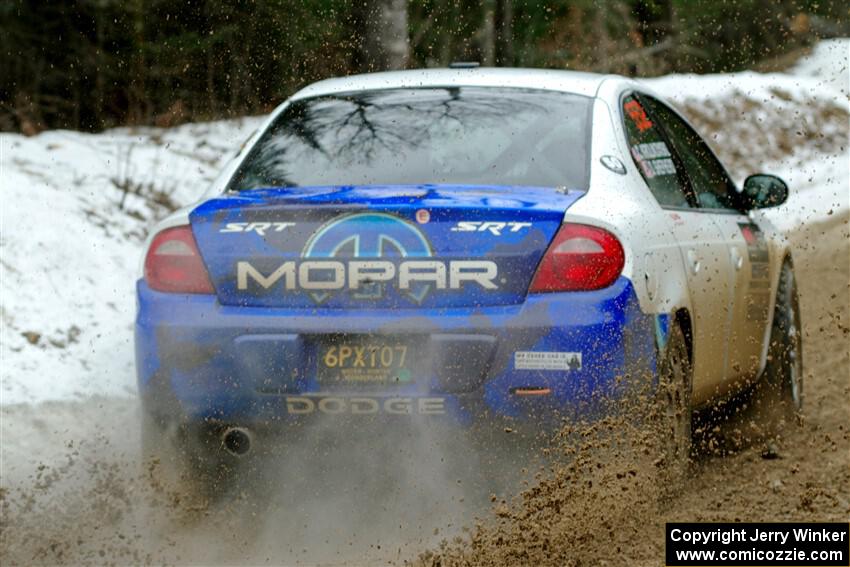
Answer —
(386, 44)
(655, 28)
(504, 33)
(138, 107)
(655, 20)
(488, 35)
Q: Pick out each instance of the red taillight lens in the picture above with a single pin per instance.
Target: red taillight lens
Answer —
(174, 264)
(580, 258)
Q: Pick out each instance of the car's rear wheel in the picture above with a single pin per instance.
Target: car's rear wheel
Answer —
(673, 408)
(779, 393)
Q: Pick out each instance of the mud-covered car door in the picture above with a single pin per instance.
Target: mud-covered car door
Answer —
(717, 196)
(701, 243)
(750, 254)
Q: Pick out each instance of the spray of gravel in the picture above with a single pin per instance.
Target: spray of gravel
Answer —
(587, 504)
(75, 491)
(606, 484)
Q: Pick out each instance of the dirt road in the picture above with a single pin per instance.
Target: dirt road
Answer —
(804, 475)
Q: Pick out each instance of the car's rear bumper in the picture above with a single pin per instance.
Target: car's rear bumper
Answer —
(197, 359)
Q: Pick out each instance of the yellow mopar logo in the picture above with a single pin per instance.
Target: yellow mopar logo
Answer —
(335, 405)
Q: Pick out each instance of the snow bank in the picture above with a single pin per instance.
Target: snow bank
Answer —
(793, 124)
(76, 208)
(822, 74)
(828, 64)
(828, 70)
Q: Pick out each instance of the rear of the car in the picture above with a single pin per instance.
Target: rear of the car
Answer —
(397, 253)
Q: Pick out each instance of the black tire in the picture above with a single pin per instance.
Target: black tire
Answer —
(673, 408)
(779, 393)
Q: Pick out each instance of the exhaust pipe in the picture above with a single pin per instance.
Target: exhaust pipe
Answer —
(237, 441)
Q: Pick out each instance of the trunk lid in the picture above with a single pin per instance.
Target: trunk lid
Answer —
(377, 247)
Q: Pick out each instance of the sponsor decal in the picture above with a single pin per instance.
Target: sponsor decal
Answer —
(759, 256)
(372, 235)
(532, 360)
(654, 159)
(364, 253)
(638, 115)
(656, 167)
(259, 227)
(362, 405)
(653, 167)
(321, 278)
(651, 150)
(495, 228)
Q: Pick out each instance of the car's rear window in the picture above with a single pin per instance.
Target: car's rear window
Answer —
(457, 135)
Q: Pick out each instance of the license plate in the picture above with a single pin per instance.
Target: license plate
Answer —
(366, 362)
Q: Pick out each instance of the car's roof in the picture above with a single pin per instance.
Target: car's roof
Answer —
(576, 82)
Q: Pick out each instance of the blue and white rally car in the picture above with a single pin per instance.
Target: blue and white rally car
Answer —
(468, 246)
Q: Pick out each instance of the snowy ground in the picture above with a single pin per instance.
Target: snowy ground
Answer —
(793, 124)
(76, 208)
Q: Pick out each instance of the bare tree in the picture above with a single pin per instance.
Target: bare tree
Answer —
(386, 43)
(487, 34)
(504, 18)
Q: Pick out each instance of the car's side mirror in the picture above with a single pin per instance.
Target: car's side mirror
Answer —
(763, 190)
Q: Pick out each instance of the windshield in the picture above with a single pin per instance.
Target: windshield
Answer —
(480, 136)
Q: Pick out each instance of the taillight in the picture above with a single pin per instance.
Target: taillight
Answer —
(174, 264)
(580, 258)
